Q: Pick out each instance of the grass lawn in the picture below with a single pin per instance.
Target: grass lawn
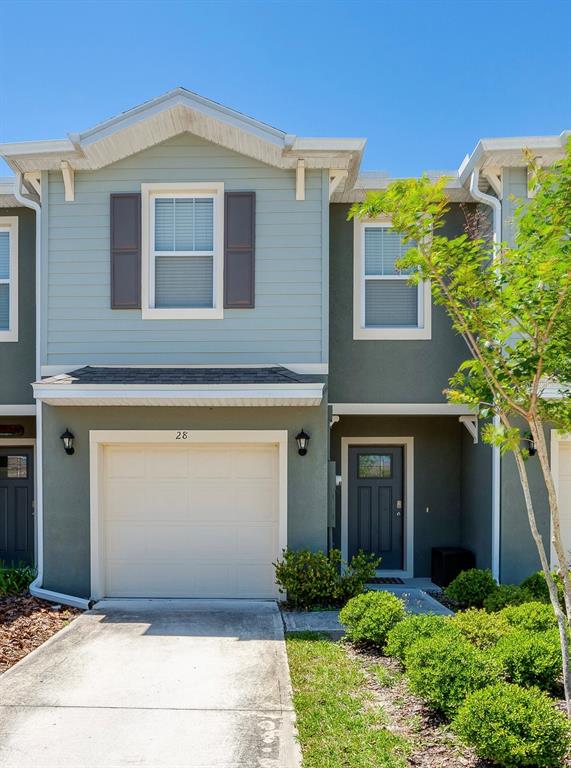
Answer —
(339, 724)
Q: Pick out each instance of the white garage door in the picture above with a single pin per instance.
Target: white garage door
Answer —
(190, 521)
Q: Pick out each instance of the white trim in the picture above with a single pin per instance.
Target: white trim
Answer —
(181, 395)
(408, 544)
(178, 189)
(10, 224)
(99, 438)
(15, 442)
(17, 410)
(557, 437)
(401, 409)
(300, 180)
(360, 332)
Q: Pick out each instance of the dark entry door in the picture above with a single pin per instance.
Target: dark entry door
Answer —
(376, 503)
(16, 507)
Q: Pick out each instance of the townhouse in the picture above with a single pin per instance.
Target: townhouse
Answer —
(204, 362)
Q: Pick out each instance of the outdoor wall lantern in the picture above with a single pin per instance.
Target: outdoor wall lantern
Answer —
(302, 440)
(531, 449)
(68, 439)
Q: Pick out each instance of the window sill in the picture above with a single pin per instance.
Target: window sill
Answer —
(213, 313)
(8, 336)
(392, 334)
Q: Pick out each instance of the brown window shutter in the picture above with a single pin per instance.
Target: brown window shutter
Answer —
(126, 250)
(239, 250)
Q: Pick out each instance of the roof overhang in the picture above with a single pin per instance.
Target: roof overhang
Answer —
(374, 181)
(509, 152)
(239, 395)
(171, 114)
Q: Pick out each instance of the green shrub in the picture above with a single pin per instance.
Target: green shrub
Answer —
(536, 585)
(368, 618)
(15, 579)
(413, 628)
(444, 669)
(530, 658)
(470, 588)
(534, 616)
(481, 628)
(513, 727)
(506, 594)
(314, 579)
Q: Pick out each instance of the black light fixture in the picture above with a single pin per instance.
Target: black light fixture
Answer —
(302, 440)
(531, 449)
(68, 439)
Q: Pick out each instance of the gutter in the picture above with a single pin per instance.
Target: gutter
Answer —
(36, 588)
(496, 206)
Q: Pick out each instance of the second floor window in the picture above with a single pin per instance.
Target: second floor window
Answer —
(184, 264)
(386, 305)
(8, 278)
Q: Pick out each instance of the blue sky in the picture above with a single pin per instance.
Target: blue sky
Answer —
(423, 80)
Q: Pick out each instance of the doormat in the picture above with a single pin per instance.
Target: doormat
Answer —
(386, 580)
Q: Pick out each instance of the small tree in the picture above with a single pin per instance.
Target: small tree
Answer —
(512, 306)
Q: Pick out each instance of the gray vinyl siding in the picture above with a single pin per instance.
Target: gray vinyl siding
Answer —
(66, 478)
(18, 358)
(287, 323)
(384, 371)
(514, 191)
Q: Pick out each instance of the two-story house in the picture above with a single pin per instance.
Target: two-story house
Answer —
(226, 366)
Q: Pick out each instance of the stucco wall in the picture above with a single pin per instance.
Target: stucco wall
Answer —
(384, 371)
(437, 473)
(18, 358)
(66, 478)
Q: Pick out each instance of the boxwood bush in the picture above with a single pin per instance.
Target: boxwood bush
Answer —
(530, 658)
(536, 585)
(534, 616)
(507, 594)
(444, 669)
(470, 588)
(513, 727)
(413, 628)
(481, 628)
(315, 580)
(368, 618)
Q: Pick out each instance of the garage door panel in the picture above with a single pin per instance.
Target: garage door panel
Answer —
(190, 521)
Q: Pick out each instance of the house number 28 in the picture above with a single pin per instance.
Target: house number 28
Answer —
(182, 435)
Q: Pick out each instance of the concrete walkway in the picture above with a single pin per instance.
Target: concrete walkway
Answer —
(177, 683)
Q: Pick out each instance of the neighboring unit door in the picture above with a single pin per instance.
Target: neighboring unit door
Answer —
(376, 503)
(16, 506)
(189, 521)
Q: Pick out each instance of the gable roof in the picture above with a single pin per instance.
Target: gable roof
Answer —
(175, 112)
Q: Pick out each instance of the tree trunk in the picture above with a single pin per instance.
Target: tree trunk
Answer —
(539, 438)
(554, 597)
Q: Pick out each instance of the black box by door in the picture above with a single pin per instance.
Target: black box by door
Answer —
(447, 562)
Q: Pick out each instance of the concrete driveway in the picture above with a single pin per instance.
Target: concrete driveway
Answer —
(193, 683)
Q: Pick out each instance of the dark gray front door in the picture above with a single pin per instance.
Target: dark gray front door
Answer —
(376, 503)
(16, 509)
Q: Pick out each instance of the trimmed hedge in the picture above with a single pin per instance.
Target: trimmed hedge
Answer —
(481, 628)
(537, 587)
(530, 658)
(368, 618)
(513, 727)
(444, 669)
(470, 588)
(413, 628)
(534, 616)
(504, 595)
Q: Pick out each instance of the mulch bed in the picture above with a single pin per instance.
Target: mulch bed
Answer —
(26, 623)
(433, 744)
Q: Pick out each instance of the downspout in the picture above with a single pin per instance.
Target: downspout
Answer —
(496, 207)
(36, 586)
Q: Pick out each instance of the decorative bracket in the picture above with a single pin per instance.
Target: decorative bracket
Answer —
(335, 178)
(68, 181)
(300, 180)
(494, 177)
(471, 424)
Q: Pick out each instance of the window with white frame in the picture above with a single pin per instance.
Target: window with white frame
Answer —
(386, 305)
(182, 250)
(9, 278)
